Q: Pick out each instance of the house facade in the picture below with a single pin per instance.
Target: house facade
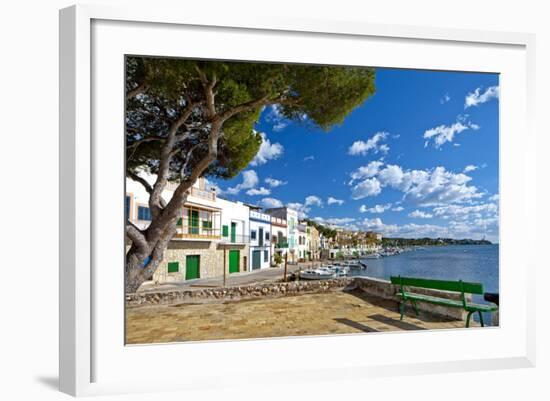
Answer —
(211, 236)
(303, 243)
(291, 217)
(314, 243)
(279, 237)
(260, 239)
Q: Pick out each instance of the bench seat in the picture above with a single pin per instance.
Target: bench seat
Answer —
(461, 287)
(448, 302)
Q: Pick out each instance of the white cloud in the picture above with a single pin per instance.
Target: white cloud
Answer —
(446, 133)
(374, 144)
(300, 208)
(211, 186)
(250, 180)
(375, 208)
(368, 171)
(445, 98)
(342, 222)
(308, 158)
(313, 200)
(270, 203)
(368, 187)
(332, 201)
(276, 118)
(465, 212)
(470, 167)
(421, 187)
(268, 151)
(477, 97)
(418, 214)
(258, 191)
(398, 209)
(274, 183)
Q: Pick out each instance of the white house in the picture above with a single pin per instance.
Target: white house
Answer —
(279, 237)
(303, 242)
(235, 234)
(291, 217)
(260, 239)
(211, 235)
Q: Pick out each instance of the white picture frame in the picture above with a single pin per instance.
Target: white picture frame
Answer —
(94, 360)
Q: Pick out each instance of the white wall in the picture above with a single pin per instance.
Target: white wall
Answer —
(28, 341)
(235, 212)
(255, 225)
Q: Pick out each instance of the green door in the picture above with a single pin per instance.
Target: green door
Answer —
(256, 259)
(192, 267)
(233, 232)
(234, 257)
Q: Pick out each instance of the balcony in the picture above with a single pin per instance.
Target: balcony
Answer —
(235, 239)
(278, 221)
(198, 223)
(193, 233)
(203, 194)
(280, 242)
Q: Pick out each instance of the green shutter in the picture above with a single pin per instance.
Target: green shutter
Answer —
(225, 231)
(173, 267)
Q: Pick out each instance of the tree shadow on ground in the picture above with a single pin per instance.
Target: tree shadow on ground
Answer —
(395, 322)
(356, 325)
(392, 306)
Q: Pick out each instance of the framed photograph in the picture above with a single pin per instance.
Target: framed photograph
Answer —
(354, 197)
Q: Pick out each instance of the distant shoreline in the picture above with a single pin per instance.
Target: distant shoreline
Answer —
(433, 241)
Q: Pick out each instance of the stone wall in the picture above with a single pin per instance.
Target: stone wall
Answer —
(384, 289)
(237, 293)
(371, 286)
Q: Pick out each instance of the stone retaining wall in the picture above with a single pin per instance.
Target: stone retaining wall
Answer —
(372, 286)
(237, 293)
(386, 290)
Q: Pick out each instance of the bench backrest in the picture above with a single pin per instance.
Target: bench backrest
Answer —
(444, 285)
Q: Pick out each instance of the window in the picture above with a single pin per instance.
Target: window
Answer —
(253, 234)
(173, 267)
(225, 231)
(266, 256)
(127, 203)
(267, 236)
(144, 213)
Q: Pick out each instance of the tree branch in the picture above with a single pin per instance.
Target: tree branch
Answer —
(137, 90)
(165, 159)
(137, 237)
(145, 185)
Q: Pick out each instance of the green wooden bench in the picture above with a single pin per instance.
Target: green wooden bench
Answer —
(454, 286)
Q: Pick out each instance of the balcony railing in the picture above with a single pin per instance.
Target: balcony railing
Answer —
(203, 193)
(278, 221)
(235, 239)
(191, 232)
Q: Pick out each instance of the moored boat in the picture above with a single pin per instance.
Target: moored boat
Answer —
(316, 274)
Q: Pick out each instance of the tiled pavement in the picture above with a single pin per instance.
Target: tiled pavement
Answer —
(311, 314)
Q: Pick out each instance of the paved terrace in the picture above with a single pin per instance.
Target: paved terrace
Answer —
(336, 312)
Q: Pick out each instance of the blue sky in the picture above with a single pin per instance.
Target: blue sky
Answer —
(419, 158)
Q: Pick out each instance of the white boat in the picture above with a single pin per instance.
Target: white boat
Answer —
(372, 256)
(338, 271)
(355, 265)
(317, 274)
